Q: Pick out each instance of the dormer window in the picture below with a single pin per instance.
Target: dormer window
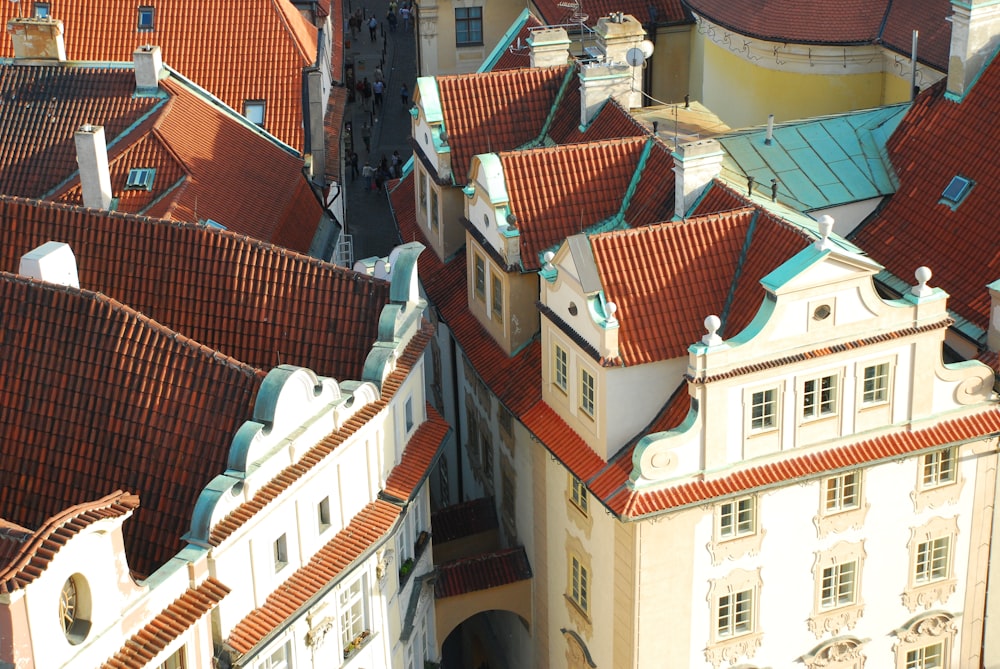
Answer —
(254, 111)
(40, 10)
(956, 191)
(146, 16)
(140, 178)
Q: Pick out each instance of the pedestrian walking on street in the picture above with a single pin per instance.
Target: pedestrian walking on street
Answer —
(378, 74)
(354, 165)
(404, 96)
(397, 165)
(404, 14)
(390, 17)
(366, 136)
(377, 90)
(368, 172)
(372, 27)
(366, 90)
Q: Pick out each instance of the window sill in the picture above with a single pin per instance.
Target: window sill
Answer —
(840, 521)
(467, 44)
(835, 619)
(579, 609)
(731, 649)
(731, 549)
(927, 595)
(357, 645)
(937, 496)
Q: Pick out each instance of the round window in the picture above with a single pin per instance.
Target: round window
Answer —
(572, 309)
(71, 614)
(821, 312)
(67, 605)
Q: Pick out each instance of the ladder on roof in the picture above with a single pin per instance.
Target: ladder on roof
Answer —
(343, 255)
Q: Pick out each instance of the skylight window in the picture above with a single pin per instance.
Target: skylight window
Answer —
(146, 14)
(956, 191)
(254, 111)
(41, 10)
(140, 178)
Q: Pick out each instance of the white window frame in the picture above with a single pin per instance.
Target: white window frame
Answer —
(560, 368)
(932, 560)
(279, 658)
(767, 420)
(842, 493)
(820, 397)
(352, 601)
(578, 495)
(40, 10)
(323, 517)
(838, 585)
(918, 658)
(579, 580)
(479, 276)
(280, 553)
(737, 518)
(880, 390)
(734, 614)
(496, 297)
(939, 468)
(588, 393)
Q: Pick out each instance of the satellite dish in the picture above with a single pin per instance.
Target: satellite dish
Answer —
(647, 48)
(635, 57)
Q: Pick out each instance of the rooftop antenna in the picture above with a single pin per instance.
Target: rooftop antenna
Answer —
(576, 15)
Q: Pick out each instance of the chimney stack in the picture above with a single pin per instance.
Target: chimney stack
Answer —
(993, 329)
(92, 156)
(600, 81)
(975, 34)
(148, 67)
(695, 165)
(52, 262)
(37, 38)
(549, 47)
(616, 36)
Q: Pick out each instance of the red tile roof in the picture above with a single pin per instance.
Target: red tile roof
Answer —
(421, 452)
(847, 22)
(495, 111)
(915, 227)
(417, 457)
(214, 46)
(663, 12)
(168, 625)
(481, 572)
(512, 58)
(33, 551)
(464, 519)
(896, 442)
(559, 191)
(209, 163)
(653, 200)
(364, 531)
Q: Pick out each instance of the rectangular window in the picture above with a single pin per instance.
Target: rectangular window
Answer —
(352, 615)
(819, 397)
(323, 513)
(876, 384)
(480, 278)
(41, 10)
(737, 518)
(468, 26)
(434, 209)
(843, 492)
(578, 495)
(587, 392)
(280, 658)
(140, 178)
(146, 14)
(764, 410)
(580, 586)
(938, 468)
(928, 657)
(932, 560)
(487, 455)
(497, 295)
(561, 368)
(422, 190)
(838, 586)
(254, 111)
(280, 553)
(408, 411)
(175, 661)
(735, 614)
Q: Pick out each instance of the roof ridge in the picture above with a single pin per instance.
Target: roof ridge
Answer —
(573, 147)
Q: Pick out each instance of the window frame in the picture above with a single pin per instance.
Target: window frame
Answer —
(323, 517)
(730, 629)
(479, 276)
(250, 107)
(578, 495)
(496, 297)
(434, 215)
(939, 468)
(839, 485)
(876, 396)
(727, 531)
(816, 397)
(588, 393)
(830, 596)
(760, 424)
(468, 22)
(579, 583)
(140, 178)
(928, 553)
(560, 368)
(279, 551)
(352, 611)
(920, 660)
(41, 10)
(146, 18)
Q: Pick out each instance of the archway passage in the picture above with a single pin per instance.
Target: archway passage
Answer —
(488, 640)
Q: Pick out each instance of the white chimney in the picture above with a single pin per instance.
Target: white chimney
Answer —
(695, 165)
(92, 156)
(975, 34)
(37, 38)
(600, 81)
(549, 47)
(148, 66)
(617, 35)
(53, 262)
(993, 329)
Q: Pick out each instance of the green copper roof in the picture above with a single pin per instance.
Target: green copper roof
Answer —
(820, 163)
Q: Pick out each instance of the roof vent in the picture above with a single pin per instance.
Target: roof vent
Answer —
(52, 262)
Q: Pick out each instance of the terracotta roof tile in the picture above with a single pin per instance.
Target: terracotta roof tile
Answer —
(495, 111)
(916, 227)
(663, 12)
(420, 452)
(33, 551)
(559, 191)
(511, 59)
(370, 525)
(168, 625)
(464, 519)
(653, 200)
(894, 443)
(481, 572)
(213, 48)
(562, 440)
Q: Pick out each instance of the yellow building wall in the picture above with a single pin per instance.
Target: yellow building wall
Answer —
(498, 15)
(742, 94)
(670, 64)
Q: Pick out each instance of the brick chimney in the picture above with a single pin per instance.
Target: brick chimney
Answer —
(975, 34)
(695, 165)
(600, 81)
(92, 156)
(53, 262)
(617, 34)
(549, 47)
(37, 38)
(148, 66)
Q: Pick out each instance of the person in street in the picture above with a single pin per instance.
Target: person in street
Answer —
(366, 136)
(354, 165)
(404, 96)
(378, 73)
(397, 165)
(390, 17)
(368, 172)
(377, 89)
(372, 27)
(404, 14)
(366, 90)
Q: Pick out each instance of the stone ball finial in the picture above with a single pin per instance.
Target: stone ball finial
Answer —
(612, 309)
(712, 324)
(923, 275)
